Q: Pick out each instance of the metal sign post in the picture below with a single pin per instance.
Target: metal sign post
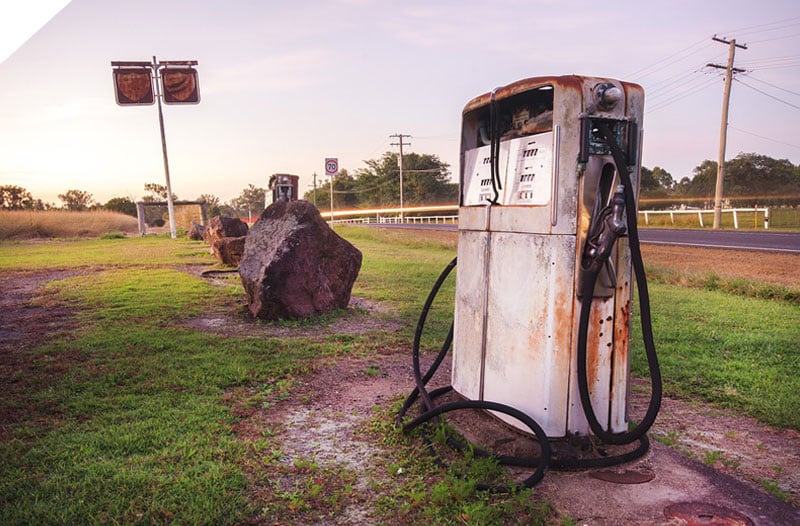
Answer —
(175, 82)
(170, 204)
(331, 170)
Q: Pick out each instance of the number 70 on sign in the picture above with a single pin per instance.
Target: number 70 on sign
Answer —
(331, 166)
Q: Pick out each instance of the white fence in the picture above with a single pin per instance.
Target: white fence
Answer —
(395, 220)
(648, 214)
(700, 213)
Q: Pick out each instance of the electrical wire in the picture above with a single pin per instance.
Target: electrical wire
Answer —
(679, 96)
(762, 137)
(740, 81)
(781, 24)
(678, 56)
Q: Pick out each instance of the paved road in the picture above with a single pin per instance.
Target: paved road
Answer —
(786, 242)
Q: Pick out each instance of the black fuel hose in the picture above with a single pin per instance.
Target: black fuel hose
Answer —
(587, 290)
(432, 411)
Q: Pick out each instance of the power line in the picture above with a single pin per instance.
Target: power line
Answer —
(746, 30)
(641, 71)
(767, 94)
(751, 77)
(655, 92)
(682, 95)
(772, 62)
(763, 137)
(776, 38)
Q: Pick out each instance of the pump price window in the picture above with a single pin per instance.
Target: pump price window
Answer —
(531, 180)
(526, 166)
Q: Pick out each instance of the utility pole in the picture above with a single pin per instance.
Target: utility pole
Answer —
(315, 188)
(400, 143)
(723, 127)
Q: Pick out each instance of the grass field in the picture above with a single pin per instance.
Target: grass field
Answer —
(29, 224)
(125, 417)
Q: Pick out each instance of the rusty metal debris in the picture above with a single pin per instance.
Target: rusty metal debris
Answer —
(704, 514)
(629, 476)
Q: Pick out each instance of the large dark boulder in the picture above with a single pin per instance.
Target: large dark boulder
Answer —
(196, 232)
(221, 226)
(229, 250)
(294, 265)
(222, 234)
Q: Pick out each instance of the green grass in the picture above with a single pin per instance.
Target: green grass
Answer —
(415, 489)
(711, 281)
(737, 352)
(129, 253)
(127, 418)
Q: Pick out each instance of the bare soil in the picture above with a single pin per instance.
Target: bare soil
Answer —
(328, 407)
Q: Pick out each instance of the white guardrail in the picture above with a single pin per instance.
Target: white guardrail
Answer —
(395, 220)
(700, 213)
(391, 216)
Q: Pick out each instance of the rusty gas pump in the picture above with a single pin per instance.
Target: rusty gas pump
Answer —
(546, 245)
(282, 187)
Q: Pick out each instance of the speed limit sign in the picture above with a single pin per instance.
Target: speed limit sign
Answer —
(331, 166)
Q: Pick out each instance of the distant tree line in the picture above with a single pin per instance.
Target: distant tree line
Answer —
(750, 179)
(426, 180)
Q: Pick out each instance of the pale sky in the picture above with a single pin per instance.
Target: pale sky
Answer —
(285, 84)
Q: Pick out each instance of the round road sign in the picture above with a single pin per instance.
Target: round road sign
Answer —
(331, 166)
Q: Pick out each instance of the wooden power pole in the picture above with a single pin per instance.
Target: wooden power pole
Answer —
(723, 127)
(400, 143)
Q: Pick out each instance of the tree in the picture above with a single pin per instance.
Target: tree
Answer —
(156, 215)
(14, 197)
(158, 192)
(426, 179)
(704, 180)
(213, 203)
(345, 192)
(250, 201)
(750, 178)
(759, 176)
(656, 182)
(123, 205)
(76, 200)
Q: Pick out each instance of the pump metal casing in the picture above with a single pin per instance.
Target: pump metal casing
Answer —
(521, 243)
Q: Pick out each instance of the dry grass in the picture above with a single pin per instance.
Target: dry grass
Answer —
(26, 224)
(768, 267)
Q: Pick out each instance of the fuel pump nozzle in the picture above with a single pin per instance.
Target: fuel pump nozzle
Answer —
(609, 226)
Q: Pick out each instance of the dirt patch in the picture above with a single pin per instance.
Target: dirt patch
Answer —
(361, 316)
(770, 267)
(31, 317)
(727, 441)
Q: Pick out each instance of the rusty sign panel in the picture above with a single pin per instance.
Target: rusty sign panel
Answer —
(133, 86)
(180, 86)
